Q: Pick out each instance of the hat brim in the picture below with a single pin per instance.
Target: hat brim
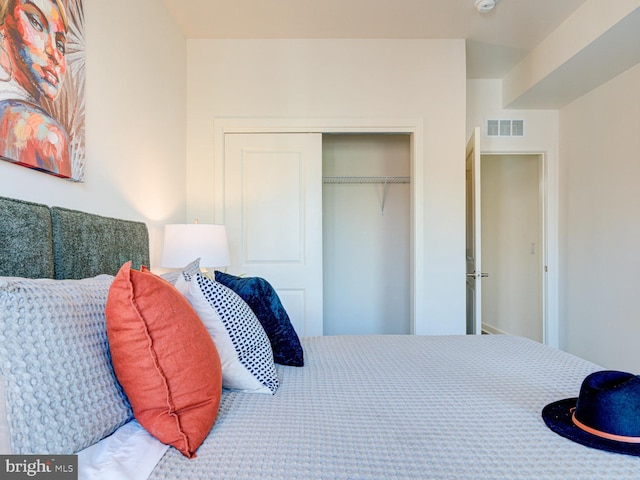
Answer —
(557, 416)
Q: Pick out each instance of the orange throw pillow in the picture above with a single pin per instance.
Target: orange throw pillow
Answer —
(164, 359)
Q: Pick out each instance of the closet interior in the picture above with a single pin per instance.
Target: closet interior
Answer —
(366, 233)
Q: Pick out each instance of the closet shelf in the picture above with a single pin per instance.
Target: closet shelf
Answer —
(383, 179)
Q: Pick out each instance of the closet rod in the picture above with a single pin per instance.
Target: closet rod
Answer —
(383, 180)
(380, 180)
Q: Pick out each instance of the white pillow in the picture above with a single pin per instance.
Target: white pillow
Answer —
(191, 269)
(60, 391)
(5, 435)
(244, 348)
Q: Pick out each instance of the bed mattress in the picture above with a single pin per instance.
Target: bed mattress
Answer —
(404, 407)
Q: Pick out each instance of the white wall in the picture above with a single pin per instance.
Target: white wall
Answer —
(600, 225)
(484, 100)
(355, 79)
(135, 121)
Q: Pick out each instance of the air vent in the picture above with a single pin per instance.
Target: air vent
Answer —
(505, 128)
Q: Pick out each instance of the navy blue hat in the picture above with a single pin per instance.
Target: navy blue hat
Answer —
(605, 416)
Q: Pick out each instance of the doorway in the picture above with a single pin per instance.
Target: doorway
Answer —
(412, 128)
(366, 233)
(513, 253)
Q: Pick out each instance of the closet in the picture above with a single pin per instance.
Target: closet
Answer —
(365, 231)
(325, 217)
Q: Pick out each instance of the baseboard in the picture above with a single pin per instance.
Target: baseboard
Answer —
(488, 329)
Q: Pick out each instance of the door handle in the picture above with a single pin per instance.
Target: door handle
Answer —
(477, 275)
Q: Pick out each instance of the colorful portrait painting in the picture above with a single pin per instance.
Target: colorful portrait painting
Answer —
(42, 76)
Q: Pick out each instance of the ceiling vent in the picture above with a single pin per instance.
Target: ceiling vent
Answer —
(505, 128)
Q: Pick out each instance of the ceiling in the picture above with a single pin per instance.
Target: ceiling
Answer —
(496, 41)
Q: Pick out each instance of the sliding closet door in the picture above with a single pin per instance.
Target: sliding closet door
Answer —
(273, 214)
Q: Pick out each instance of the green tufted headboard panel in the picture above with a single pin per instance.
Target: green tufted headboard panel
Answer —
(26, 239)
(85, 245)
(38, 241)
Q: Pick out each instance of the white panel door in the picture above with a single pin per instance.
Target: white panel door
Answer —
(473, 231)
(273, 214)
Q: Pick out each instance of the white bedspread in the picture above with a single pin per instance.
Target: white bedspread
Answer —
(129, 453)
(404, 408)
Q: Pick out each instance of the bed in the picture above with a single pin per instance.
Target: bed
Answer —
(360, 407)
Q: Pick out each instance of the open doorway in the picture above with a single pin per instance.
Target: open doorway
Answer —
(366, 233)
(513, 253)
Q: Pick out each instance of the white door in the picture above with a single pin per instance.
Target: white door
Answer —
(273, 214)
(473, 233)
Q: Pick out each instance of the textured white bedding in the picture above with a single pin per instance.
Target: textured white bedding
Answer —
(404, 407)
(130, 453)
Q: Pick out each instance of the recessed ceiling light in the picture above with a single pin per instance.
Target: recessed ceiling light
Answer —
(484, 6)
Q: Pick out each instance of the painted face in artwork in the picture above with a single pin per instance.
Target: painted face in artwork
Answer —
(35, 33)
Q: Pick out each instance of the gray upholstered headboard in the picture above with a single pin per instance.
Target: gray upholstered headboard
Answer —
(37, 241)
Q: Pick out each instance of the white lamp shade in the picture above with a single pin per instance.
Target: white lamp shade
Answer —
(183, 243)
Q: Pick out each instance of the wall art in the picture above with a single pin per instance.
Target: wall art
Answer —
(42, 85)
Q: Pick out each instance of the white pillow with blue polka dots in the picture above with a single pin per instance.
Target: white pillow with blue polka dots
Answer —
(244, 348)
(191, 269)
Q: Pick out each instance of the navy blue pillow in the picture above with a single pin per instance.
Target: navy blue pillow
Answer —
(264, 301)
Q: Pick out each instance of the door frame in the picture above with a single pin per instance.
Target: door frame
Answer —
(414, 127)
(549, 199)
